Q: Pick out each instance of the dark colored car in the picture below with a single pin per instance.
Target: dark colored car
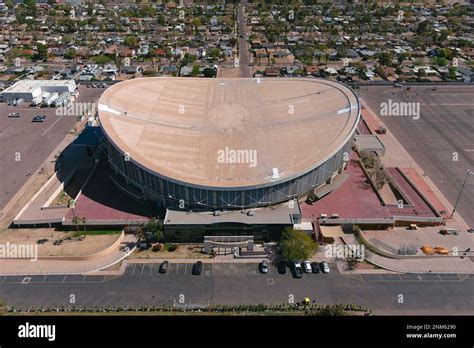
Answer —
(281, 267)
(296, 269)
(197, 268)
(164, 267)
(324, 267)
(315, 267)
(39, 118)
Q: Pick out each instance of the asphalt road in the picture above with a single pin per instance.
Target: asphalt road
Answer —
(32, 141)
(244, 54)
(444, 130)
(243, 284)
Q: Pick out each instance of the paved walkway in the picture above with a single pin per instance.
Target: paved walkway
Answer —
(417, 206)
(421, 185)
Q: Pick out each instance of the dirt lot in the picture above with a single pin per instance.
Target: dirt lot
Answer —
(91, 244)
(188, 251)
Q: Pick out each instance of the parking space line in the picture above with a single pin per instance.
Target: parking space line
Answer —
(64, 278)
(143, 268)
(177, 268)
(110, 296)
(186, 267)
(46, 131)
(134, 266)
(4, 277)
(100, 298)
(151, 269)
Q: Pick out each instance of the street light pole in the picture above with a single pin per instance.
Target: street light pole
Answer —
(469, 172)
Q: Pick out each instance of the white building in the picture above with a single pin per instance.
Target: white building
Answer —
(28, 90)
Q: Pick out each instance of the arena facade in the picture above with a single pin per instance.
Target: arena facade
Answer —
(220, 144)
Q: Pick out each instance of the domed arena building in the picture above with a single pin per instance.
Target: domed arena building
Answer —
(223, 144)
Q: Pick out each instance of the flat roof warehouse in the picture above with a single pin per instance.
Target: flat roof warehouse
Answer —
(175, 127)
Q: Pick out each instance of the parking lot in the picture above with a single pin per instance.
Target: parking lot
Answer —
(242, 283)
(441, 141)
(25, 145)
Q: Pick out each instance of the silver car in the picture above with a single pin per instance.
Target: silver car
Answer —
(324, 267)
(307, 266)
(264, 266)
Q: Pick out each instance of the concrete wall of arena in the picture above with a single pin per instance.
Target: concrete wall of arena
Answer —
(170, 192)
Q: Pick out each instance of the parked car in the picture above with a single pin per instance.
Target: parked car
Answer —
(449, 231)
(164, 267)
(296, 268)
(315, 267)
(197, 268)
(14, 114)
(324, 267)
(39, 118)
(281, 267)
(264, 266)
(307, 266)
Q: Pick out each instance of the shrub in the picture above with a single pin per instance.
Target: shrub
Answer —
(157, 247)
(173, 247)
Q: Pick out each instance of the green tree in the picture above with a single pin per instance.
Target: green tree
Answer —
(188, 59)
(424, 28)
(130, 41)
(386, 58)
(296, 245)
(209, 72)
(154, 226)
(42, 52)
(195, 71)
(70, 53)
(9, 4)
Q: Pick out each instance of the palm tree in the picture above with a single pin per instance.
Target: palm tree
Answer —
(76, 220)
(84, 221)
